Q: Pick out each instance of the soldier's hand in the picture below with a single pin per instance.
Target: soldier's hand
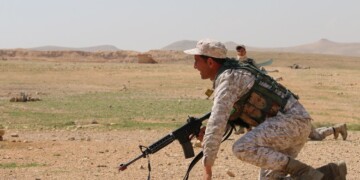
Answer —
(207, 173)
(201, 134)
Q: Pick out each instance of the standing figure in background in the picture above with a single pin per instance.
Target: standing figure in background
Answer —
(242, 57)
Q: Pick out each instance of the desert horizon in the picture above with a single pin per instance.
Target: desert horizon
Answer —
(322, 46)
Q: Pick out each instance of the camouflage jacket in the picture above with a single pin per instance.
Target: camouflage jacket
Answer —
(229, 87)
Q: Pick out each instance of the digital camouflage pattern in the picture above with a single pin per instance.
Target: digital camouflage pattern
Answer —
(208, 47)
(271, 143)
(229, 86)
(321, 133)
(267, 145)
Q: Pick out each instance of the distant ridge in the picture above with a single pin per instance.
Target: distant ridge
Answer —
(323, 46)
(85, 49)
(180, 45)
(189, 44)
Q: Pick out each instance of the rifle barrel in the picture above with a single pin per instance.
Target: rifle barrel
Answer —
(122, 167)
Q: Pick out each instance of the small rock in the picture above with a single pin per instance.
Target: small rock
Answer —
(14, 135)
(2, 132)
(231, 174)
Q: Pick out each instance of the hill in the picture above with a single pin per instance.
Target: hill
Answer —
(188, 44)
(161, 56)
(180, 45)
(323, 46)
(69, 55)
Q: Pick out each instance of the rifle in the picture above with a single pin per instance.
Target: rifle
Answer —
(182, 134)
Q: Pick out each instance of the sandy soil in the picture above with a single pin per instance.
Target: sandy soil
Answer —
(95, 154)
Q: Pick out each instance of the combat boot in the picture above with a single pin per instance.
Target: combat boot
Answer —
(334, 171)
(342, 129)
(301, 171)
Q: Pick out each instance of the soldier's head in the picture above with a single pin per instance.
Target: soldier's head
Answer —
(241, 50)
(209, 56)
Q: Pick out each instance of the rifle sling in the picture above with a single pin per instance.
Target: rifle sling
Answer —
(149, 167)
(200, 154)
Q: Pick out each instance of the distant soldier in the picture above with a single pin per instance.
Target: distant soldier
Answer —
(321, 133)
(242, 57)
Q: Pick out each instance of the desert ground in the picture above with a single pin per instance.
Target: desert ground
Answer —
(93, 116)
(94, 154)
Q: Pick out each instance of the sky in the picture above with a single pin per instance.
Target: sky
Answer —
(142, 25)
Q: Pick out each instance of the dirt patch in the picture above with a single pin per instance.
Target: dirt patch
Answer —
(95, 154)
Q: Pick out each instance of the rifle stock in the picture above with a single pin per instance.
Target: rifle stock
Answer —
(182, 134)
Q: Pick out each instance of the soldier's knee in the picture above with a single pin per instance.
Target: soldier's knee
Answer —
(239, 150)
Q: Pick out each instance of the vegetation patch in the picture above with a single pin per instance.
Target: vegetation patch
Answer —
(15, 165)
(127, 95)
(353, 127)
(120, 109)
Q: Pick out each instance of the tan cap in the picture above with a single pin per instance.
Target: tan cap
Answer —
(208, 47)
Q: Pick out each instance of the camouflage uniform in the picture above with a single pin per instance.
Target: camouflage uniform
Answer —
(319, 134)
(269, 144)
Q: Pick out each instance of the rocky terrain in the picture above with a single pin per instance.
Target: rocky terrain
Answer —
(87, 153)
